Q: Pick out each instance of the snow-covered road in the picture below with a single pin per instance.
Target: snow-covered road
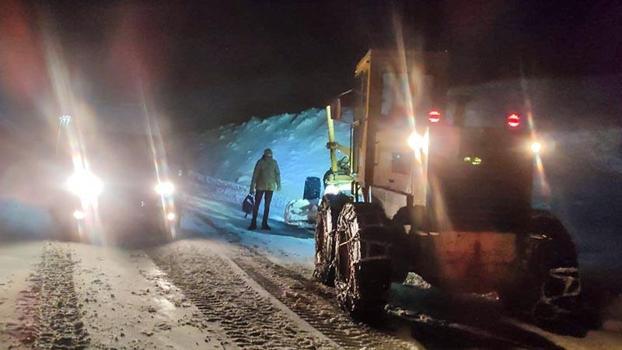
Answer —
(202, 293)
(71, 295)
(220, 286)
(187, 294)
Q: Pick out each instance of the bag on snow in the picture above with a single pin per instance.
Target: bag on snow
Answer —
(248, 204)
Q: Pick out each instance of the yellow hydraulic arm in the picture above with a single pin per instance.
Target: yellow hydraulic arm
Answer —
(331, 140)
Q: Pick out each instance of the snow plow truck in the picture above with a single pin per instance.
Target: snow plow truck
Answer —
(424, 191)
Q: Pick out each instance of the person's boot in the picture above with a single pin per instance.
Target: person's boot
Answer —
(264, 226)
(253, 226)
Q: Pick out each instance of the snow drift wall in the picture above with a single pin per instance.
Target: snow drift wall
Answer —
(298, 142)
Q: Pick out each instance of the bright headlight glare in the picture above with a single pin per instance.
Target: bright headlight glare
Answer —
(79, 215)
(171, 216)
(536, 147)
(85, 185)
(416, 141)
(165, 188)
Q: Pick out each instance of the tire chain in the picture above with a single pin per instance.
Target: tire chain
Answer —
(568, 278)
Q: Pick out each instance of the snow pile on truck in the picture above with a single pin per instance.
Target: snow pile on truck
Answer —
(298, 141)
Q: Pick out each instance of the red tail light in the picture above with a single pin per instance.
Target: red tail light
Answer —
(513, 120)
(434, 116)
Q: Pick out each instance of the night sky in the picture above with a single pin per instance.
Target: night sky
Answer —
(205, 63)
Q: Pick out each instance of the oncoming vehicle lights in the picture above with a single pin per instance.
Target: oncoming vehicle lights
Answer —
(165, 188)
(85, 185)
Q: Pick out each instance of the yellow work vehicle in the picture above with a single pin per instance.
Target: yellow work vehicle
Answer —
(424, 191)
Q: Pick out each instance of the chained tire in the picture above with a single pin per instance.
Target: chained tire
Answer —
(325, 236)
(549, 288)
(363, 260)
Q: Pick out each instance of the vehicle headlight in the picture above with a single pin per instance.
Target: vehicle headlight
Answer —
(79, 215)
(165, 188)
(536, 147)
(417, 142)
(84, 185)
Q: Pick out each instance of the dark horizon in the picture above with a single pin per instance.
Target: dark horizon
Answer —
(204, 64)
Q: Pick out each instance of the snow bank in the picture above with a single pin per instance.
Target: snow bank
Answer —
(297, 140)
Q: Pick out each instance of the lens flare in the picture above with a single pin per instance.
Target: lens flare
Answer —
(536, 147)
(85, 185)
(416, 141)
(79, 215)
(165, 188)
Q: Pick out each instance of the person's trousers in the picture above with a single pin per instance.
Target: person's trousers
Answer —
(266, 206)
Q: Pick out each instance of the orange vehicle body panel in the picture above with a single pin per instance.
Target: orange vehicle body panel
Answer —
(467, 261)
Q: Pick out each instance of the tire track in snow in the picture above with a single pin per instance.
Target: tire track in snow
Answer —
(251, 319)
(316, 305)
(54, 310)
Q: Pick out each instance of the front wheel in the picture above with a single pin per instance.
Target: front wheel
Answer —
(363, 260)
(325, 229)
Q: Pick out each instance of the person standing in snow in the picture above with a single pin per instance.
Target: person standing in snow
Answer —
(266, 180)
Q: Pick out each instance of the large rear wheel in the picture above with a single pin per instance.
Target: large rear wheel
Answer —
(363, 260)
(549, 288)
